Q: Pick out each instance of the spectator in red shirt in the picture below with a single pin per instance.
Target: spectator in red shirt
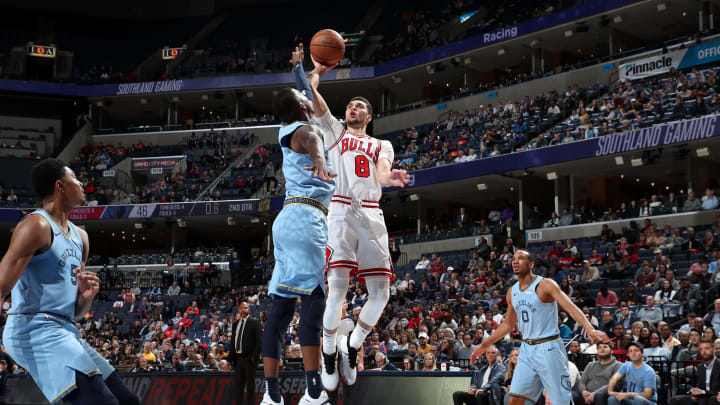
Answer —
(239, 182)
(193, 308)
(481, 278)
(437, 312)
(185, 322)
(606, 298)
(630, 256)
(415, 322)
(567, 259)
(437, 269)
(557, 251)
(169, 331)
(646, 277)
(595, 259)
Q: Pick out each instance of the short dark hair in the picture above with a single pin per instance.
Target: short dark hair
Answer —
(604, 343)
(636, 344)
(44, 175)
(285, 105)
(364, 100)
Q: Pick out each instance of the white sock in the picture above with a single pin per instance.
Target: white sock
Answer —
(358, 335)
(329, 342)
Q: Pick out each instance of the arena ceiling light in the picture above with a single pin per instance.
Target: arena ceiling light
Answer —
(617, 19)
(482, 187)
(619, 160)
(637, 162)
(568, 33)
(552, 176)
(703, 152)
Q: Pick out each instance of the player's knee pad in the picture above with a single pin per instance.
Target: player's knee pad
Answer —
(311, 318)
(121, 391)
(281, 312)
(90, 390)
(378, 295)
(338, 283)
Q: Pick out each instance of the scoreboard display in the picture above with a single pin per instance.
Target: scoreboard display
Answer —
(171, 53)
(41, 51)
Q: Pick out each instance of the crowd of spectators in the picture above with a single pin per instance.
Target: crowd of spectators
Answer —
(556, 118)
(640, 286)
(646, 207)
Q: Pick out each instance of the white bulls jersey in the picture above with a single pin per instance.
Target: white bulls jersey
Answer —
(357, 236)
(355, 161)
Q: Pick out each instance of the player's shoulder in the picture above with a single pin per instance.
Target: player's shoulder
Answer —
(34, 222)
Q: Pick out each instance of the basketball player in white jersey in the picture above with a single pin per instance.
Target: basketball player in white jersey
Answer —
(543, 360)
(357, 237)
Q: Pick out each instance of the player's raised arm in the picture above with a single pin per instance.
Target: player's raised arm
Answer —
(301, 81)
(507, 325)
(88, 282)
(550, 287)
(31, 236)
(319, 104)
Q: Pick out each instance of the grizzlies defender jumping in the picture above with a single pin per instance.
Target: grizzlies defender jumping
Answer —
(299, 234)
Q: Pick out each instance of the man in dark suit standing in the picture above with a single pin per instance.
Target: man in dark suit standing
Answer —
(245, 344)
(707, 383)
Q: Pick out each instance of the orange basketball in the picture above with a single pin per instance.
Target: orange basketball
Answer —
(327, 47)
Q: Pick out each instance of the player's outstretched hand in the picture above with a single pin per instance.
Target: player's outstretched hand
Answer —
(320, 170)
(399, 178)
(320, 69)
(88, 283)
(598, 336)
(477, 353)
(297, 55)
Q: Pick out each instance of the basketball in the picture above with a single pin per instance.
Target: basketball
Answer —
(327, 47)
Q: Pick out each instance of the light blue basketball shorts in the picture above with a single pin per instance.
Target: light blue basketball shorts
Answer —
(542, 366)
(50, 348)
(300, 234)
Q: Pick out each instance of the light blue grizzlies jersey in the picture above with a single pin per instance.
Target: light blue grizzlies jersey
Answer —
(49, 282)
(536, 319)
(298, 181)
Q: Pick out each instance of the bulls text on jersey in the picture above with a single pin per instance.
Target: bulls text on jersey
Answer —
(369, 146)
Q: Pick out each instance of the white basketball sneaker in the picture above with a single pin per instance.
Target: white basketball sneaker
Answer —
(347, 367)
(321, 400)
(269, 401)
(328, 373)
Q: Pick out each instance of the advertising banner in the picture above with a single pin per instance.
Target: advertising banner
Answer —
(217, 388)
(682, 59)
(165, 162)
(651, 137)
(85, 213)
